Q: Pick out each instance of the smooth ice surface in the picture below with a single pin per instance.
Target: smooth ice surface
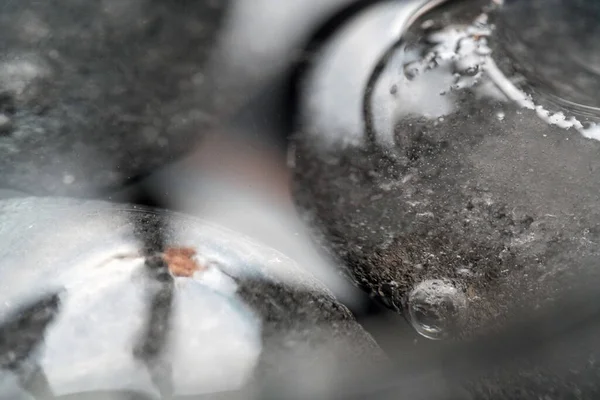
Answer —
(216, 340)
(89, 346)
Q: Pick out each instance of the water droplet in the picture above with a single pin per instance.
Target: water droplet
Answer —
(435, 307)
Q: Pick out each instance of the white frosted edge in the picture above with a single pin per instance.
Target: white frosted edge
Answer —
(524, 100)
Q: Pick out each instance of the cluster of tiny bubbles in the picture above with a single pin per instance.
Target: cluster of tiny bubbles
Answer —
(435, 307)
(425, 76)
(462, 49)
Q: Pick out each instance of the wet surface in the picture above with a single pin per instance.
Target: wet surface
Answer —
(462, 176)
(505, 206)
(457, 195)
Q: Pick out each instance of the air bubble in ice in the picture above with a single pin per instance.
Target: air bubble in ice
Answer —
(435, 306)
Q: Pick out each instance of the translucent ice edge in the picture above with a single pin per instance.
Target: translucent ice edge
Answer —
(503, 83)
(456, 45)
(591, 131)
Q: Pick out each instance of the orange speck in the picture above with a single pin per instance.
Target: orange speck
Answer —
(180, 261)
